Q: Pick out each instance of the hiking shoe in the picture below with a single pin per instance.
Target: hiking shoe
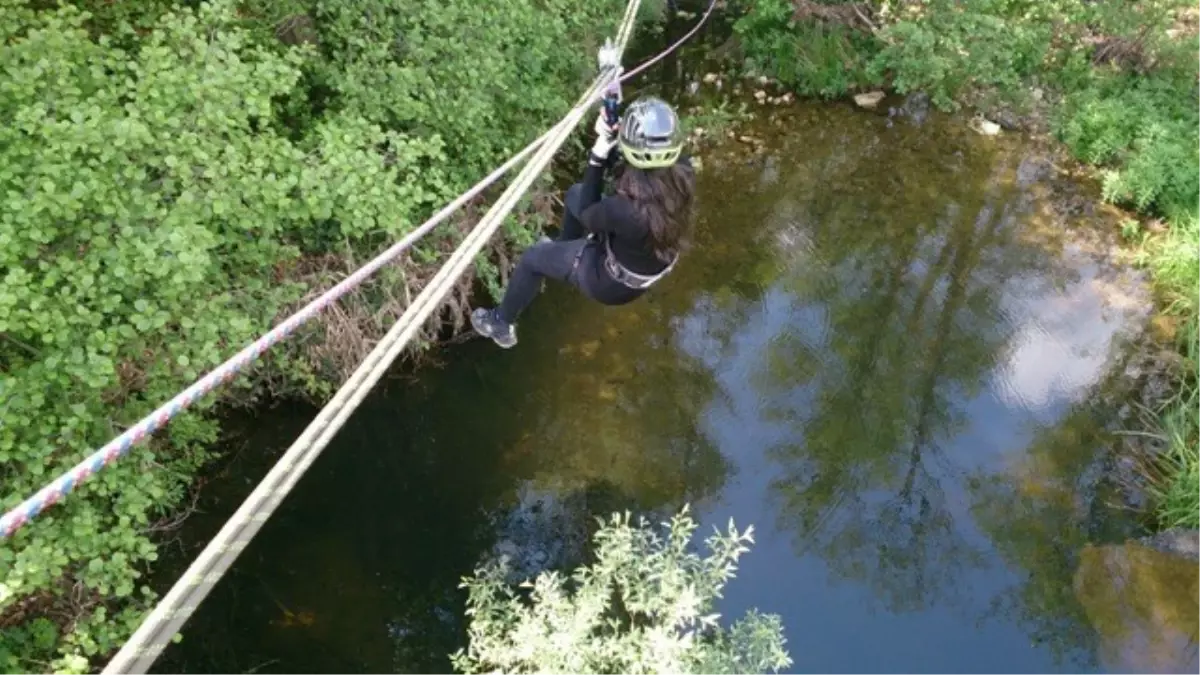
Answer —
(486, 323)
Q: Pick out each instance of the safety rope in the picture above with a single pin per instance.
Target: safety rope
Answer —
(164, 621)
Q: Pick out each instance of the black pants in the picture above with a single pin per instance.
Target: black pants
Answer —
(571, 259)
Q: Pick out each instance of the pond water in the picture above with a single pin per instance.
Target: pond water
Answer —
(881, 352)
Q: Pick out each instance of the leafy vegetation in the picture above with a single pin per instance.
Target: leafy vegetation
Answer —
(1178, 493)
(176, 175)
(1116, 79)
(643, 606)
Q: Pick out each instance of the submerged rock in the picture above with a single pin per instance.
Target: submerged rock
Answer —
(1143, 604)
(543, 530)
(1008, 120)
(1033, 169)
(915, 108)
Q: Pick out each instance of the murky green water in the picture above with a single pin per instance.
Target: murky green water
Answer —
(880, 352)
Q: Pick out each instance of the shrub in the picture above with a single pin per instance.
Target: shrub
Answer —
(147, 211)
(643, 606)
(815, 58)
(1144, 133)
(951, 46)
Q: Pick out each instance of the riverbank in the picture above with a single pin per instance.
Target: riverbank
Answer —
(177, 176)
(1115, 82)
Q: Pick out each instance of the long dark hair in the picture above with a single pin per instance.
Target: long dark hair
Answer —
(663, 197)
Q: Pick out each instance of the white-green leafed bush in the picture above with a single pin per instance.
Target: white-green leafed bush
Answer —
(644, 606)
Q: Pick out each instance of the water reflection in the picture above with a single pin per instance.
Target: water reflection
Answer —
(888, 372)
(884, 324)
(877, 353)
(1037, 515)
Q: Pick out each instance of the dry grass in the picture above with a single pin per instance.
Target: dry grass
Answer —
(346, 332)
(855, 15)
(65, 605)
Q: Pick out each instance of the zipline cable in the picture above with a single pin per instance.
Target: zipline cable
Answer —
(139, 653)
(164, 621)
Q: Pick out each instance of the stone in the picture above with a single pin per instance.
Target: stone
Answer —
(760, 95)
(869, 99)
(709, 78)
(985, 126)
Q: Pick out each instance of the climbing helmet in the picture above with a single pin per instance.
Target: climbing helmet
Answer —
(651, 137)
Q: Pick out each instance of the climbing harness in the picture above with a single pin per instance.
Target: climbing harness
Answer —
(627, 277)
(168, 616)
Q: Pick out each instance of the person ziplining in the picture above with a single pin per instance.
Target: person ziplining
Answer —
(612, 248)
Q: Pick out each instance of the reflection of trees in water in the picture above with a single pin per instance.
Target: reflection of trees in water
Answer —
(900, 356)
(912, 326)
(1039, 516)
